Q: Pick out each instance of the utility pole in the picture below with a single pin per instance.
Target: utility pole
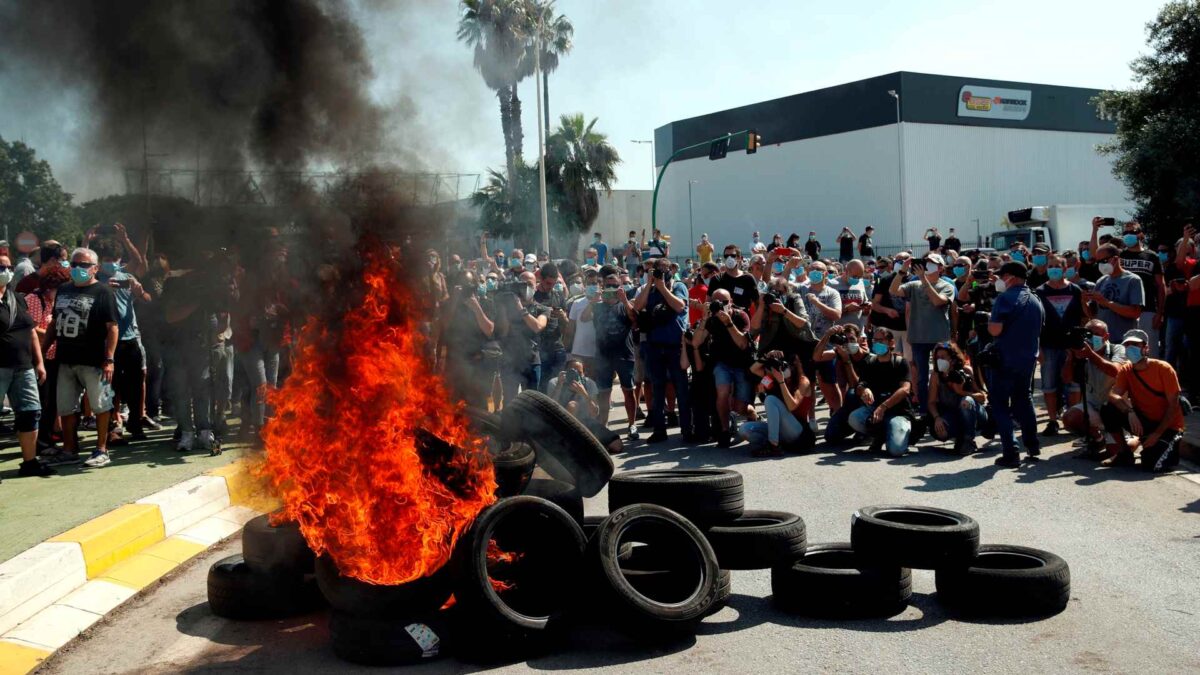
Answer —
(537, 70)
(691, 229)
(900, 166)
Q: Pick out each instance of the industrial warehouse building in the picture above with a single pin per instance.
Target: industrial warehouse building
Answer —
(902, 152)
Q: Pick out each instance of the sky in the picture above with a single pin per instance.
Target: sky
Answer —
(640, 64)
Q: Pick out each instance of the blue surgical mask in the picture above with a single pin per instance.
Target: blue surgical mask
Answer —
(1039, 260)
(491, 284)
(80, 275)
(1097, 342)
(816, 276)
(1071, 274)
(481, 290)
(559, 288)
(959, 271)
(589, 261)
(1164, 256)
(1085, 254)
(1018, 256)
(879, 348)
(777, 268)
(1055, 273)
(1130, 239)
(64, 263)
(110, 268)
(1133, 353)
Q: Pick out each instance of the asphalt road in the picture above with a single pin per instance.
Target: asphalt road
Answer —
(1132, 540)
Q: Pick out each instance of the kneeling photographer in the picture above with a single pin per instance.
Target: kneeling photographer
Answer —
(840, 349)
(1152, 411)
(956, 405)
(725, 327)
(789, 401)
(1102, 361)
(882, 382)
(578, 393)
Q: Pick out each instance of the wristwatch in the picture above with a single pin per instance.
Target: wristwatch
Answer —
(108, 360)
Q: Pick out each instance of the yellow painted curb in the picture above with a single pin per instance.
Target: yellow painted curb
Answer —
(138, 571)
(175, 549)
(18, 659)
(246, 488)
(115, 536)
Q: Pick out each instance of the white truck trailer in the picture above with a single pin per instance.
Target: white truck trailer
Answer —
(1060, 226)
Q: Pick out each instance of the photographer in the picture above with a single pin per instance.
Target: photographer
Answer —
(789, 401)
(578, 393)
(470, 353)
(844, 347)
(1062, 303)
(551, 293)
(742, 287)
(976, 291)
(1152, 411)
(1120, 294)
(781, 321)
(519, 320)
(929, 313)
(1016, 325)
(1102, 362)
(881, 382)
(856, 291)
(725, 327)
(955, 403)
(612, 315)
(824, 305)
(662, 308)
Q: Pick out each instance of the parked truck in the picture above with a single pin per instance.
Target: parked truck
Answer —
(1060, 226)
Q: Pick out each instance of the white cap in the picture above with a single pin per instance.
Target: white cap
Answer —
(530, 258)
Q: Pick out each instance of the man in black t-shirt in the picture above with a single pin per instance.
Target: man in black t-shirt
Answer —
(846, 245)
(866, 245)
(84, 327)
(812, 247)
(742, 287)
(552, 294)
(1149, 268)
(730, 355)
(952, 242)
(1063, 305)
(882, 382)
(934, 238)
(519, 321)
(21, 369)
(611, 312)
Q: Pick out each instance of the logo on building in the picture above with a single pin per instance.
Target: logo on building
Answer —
(993, 103)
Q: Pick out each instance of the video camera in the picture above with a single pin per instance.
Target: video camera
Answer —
(715, 306)
(1077, 337)
(516, 288)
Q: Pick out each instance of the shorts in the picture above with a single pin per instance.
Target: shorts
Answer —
(639, 365)
(21, 386)
(605, 368)
(826, 370)
(903, 344)
(74, 380)
(1053, 361)
(1094, 421)
(738, 378)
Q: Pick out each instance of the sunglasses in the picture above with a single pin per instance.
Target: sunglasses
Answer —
(83, 265)
(1101, 260)
(6, 268)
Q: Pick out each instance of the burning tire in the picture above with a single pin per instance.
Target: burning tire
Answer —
(276, 548)
(236, 591)
(513, 467)
(375, 601)
(387, 642)
(487, 424)
(759, 540)
(676, 595)
(563, 495)
(704, 496)
(565, 448)
(1007, 581)
(831, 582)
(914, 536)
(518, 573)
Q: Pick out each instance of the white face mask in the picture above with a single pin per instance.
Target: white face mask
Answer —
(931, 268)
(1000, 286)
(943, 365)
(853, 347)
(730, 262)
(6, 277)
(1106, 268)
(896, 266)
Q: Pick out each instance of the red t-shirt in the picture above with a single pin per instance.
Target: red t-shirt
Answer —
(1189, 270)
(1149, 390)
(698, 292)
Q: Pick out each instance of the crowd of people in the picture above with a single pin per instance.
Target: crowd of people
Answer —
(100, 337)
(745, 344)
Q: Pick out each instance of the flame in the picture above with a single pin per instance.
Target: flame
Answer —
(349, 449)
(497, 556)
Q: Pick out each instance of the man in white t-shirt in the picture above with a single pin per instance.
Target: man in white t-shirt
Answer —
(583, 346)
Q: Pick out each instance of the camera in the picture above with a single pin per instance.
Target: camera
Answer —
(958, 376)
(516, 288)
(1077, 337)
(1109, 222)
(770, 299)
(980, 275)
(715, 306)
(774, 363)
(839, 339)
(660, 274)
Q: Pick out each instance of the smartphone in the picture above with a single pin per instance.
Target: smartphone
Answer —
(609, 293)
(1109, 222)
(119, 283)
(980, 275)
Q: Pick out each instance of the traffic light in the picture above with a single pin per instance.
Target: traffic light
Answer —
(753, 140)
(718, 149)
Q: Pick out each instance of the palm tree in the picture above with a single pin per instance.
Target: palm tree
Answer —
(555, 32)
(580, 162)
(498, 31)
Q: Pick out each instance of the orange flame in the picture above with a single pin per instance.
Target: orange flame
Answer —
(345, 451)
(497, 556)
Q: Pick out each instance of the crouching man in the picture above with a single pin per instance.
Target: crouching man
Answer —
(1145, 401)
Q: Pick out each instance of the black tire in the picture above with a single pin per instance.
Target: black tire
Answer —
(704, 496)
(645, 563)
(657, 605)
(235, 591)
(374, 601)
(513, 468)
(759, 540)
(565, 448)
(563, 495)
(920, 537)
(590, 524)
(280, 548)
(1007, 581)
(487, 424)
(387, 642)
(545, 578)
(828, 582)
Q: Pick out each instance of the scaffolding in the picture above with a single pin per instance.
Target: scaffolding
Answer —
(217, 187)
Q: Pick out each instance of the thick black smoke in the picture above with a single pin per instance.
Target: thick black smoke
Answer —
(271, 84)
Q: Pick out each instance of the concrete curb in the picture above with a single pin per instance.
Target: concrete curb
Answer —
(60, 588)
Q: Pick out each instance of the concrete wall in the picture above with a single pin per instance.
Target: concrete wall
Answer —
(620, 212)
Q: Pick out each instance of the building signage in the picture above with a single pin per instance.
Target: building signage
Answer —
(993, 103)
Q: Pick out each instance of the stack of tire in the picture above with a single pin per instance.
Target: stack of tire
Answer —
(272, 578)
(871, 575)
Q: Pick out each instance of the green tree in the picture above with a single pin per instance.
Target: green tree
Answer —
(579, 162)
(30, 197)
(1157, 148)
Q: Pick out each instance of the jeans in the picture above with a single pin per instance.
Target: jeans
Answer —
(895, 429)
(662, 364)
(1009, 390)
(963, 423)
(552, 365)
(838, 427)
(703, 394)
(189, 382)
(222, 391)
(261, 366)
(921, 353)
(129, 379)
(781, 426)
(154, 372)
(48, 393)
(1175, 342)
(515, 378)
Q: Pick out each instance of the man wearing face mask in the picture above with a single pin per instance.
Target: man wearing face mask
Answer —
(1119, 295)
(952, 243)
(53, 256)
(611, 314)
(1016, 324)
(824, 306)
(601, 249)
(1087, 263)
(1145, 401)
(856, 291)
(471, 353)
(551, 293)
(854, 347)
(1102, 363)
(705, 249)
(666, 303)
(887, 311)
(1147, 266)
(520, 320)
(742, 287)
(1037, 274)
(85, 329)
(812, 247)
(881, 382)
(583, 333)
(129, 376)
(929, 315)
(632, 252)
(21, 370)
(1063, 306)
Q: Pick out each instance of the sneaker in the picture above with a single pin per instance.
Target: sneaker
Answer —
(1120, 459)
(1051, 428)
(1008, 462)
(187, 441)
(1034, 451)
(33, 467)
(672, 419)
(876, 446)
(151, 423)
(965, 446)
(658, 436)
(88, 423)
(97, 460)
(206, 440)
(639, 415)
(723, 440)
(61, 457)
(633, 432)
(137, 435)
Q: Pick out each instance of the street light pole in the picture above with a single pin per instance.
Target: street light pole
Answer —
(537, 76)
(900, 163)
(978, 236)
(691, 230)
(652, 167)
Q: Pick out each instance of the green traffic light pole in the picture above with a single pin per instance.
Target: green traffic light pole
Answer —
(657, 183)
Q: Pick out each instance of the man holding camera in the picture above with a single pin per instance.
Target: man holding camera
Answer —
(742, 287)
(929, 314)
(1151, 411)
(726, 327)
(1016, 324)
(129, 376)
(1062, 303)
(612, 315)
(881, 382)
(519, 321)
(663, 303)
(1102, 363)
(551, 293)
